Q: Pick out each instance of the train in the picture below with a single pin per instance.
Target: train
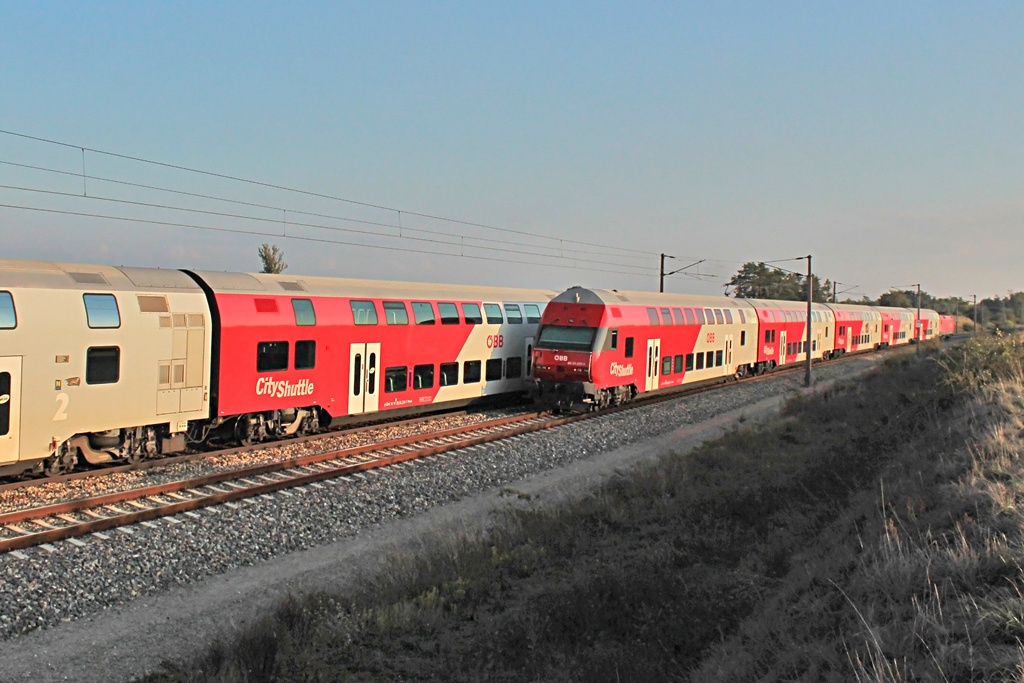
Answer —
(596, 347)
(117, 364)
(106, 364)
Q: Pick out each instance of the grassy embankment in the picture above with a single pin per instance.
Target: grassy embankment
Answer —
(872, 534)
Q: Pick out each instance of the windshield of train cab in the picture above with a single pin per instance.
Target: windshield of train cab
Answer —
(566, 338)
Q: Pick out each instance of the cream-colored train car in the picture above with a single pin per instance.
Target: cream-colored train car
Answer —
(98, 362)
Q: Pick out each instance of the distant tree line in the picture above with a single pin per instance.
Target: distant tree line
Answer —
(756, 280)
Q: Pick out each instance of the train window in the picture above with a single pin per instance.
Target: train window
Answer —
(364, 312)
(614, 336)
(826, 331)
(629, 347)
(101, 311)
(471, 372)
(743, 338)
(423, 313)
(719, 318)
(666, 365)
(494, 367)
(689, 362)
(471, 312)
(728, 316)
(395, 379)
(532, 313)
(679, 363)
(710, 359)
(709, 315)
(700, 315)
(677, 314)
(395, 313)
(569, 338)
(449, 314)
(304, 314)
(305, 354)
(357, 374)
(652, 316)
(743, 318)
(5, 407)
(719, 355)
(515, 316)
(449, 374)
(8, 316)
(767, 336)
(690, 318)
(514, 367)
(700, 361)
(271, 356)
(102, 365)
(493, 313)
(423, 376)
(666, 316)
(371, 373)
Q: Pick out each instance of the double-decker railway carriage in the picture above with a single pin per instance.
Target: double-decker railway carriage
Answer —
(601, 347)
(862, 328)
(782, 332)
(110, 363)
(296, 353)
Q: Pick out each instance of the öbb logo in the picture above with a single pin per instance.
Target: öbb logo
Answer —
(266, 386)
(495, 341)
(560, 358)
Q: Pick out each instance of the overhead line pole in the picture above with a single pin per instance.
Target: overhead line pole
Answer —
(808, 379)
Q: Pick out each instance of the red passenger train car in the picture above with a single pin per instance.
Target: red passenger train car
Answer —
(599, 347)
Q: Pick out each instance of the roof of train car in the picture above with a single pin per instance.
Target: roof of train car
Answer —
(614, 297)
(90, 277)
(301, 285)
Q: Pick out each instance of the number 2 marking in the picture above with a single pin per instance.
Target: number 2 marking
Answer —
(62, 407)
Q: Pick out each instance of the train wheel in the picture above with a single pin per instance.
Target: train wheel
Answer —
(61, 462)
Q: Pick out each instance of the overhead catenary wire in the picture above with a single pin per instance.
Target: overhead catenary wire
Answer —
(309, 193)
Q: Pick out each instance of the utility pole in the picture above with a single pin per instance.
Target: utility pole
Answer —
(975, 314)
(662, 273)
(920, 326)
(808, 379)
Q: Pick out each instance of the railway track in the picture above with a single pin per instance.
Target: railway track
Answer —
(36, 526)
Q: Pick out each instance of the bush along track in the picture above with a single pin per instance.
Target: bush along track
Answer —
(871, 534)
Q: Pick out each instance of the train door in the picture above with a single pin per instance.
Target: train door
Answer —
(653, 363)
(10, 408)
(528, 346)
(782, 347)
(729, 369)
(364, 378)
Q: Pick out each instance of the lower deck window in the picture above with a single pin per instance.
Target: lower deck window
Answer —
(423, 377)
(514, 367)
(271, 356)
(103, 365)
(666, 365)
(471, 372)
(679, 363)
(719, 355)
(710, 360)
(494, 368)
(395, 379)
(700, 361)
(449, 374)
(305, 355)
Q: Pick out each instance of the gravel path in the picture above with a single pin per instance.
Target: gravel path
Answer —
(112, 606)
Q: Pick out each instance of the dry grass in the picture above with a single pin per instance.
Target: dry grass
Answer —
(874, 534)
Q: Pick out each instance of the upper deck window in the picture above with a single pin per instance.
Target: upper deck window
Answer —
(514, 315)
(101, 311)
(472, 314)
(396, 313)
(305, 316)
(568, 338)
(652, 316)
(532, 313)
(364, 312)
(493, 313)
(449, 313)
(423, 313)
(8, 316)
(666, 316)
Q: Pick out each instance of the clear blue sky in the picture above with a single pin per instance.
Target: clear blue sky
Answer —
(885, 139)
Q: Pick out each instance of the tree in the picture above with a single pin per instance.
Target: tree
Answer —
(273, 258)
(758, 281)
